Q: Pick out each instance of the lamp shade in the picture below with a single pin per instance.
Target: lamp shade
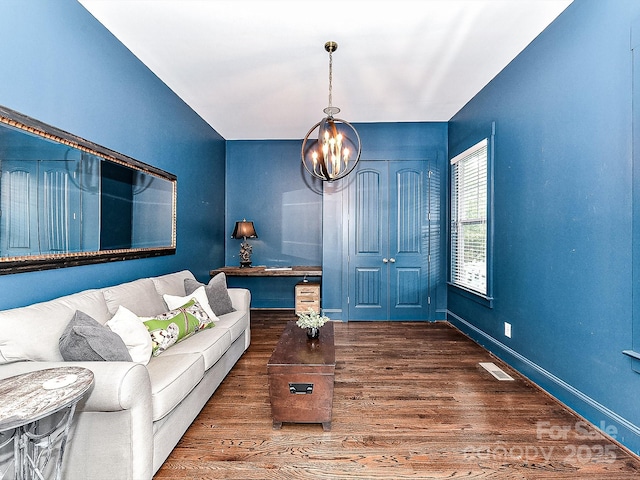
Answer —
(244, 229)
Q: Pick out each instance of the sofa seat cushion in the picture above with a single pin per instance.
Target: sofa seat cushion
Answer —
(211, 344)
(139, 296)
(172, 379)
(237, 322)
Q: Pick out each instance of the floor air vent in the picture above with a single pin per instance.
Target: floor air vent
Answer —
(494, 370)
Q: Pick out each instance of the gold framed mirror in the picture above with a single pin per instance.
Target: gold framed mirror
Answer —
(66, 201)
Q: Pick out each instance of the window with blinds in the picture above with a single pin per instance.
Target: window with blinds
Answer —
(469, 219)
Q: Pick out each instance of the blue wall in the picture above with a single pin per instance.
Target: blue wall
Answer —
(62, 67)
(563, 213)
(266, 185)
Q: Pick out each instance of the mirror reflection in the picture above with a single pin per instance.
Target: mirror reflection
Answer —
(63, 197)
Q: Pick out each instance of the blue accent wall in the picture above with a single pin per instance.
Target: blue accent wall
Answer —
(563, 214)
(62, 67)
(266, 185)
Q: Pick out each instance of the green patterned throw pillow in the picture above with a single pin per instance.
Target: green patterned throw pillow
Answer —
(175, 325)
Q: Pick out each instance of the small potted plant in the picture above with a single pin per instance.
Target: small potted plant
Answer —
(312, 321)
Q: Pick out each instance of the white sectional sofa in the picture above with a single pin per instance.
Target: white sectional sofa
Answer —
(135, 413)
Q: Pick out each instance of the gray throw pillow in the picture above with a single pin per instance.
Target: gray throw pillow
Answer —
(85, 339)
(217, 294)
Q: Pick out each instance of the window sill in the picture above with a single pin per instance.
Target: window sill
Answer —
(635, 359)
(471, 295)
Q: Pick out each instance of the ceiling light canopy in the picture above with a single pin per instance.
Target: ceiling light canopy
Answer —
(331, 148)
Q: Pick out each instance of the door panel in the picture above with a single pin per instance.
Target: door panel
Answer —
(59, 209)
(409, 195)
(367, 287)
(369, 212)
(409, 286)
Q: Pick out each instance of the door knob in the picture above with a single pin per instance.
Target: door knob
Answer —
(384, 260)
(392, 260)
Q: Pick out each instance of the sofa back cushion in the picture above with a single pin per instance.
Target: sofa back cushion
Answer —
(139, 296)
(33, 332)
(172, 283)
(90, 302)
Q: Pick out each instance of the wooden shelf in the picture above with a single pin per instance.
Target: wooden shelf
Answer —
(262, 271)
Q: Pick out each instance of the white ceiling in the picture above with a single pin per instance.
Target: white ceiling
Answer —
(256, 69)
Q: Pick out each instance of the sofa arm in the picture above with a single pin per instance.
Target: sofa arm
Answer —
(116, 385)
(240, 298)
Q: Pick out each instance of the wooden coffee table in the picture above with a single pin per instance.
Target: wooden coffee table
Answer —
(301, 375)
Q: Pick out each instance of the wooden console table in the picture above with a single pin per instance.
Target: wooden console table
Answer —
(262, 271)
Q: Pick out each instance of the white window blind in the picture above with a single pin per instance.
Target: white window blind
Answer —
(469, 219)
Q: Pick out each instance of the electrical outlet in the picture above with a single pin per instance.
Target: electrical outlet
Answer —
(507, 330)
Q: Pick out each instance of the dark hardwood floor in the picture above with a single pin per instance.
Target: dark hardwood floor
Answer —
(410, 401)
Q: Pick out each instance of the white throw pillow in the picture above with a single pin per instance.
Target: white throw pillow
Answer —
(134, 334)
(199, 294)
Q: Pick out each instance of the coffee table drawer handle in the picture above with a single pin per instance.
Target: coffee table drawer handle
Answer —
(301, 388)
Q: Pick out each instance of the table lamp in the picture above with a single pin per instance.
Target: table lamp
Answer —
(244, 230)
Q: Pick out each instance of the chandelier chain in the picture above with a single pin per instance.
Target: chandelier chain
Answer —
(330, 78)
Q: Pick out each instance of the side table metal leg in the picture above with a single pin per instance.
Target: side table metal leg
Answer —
(20, 452)
(37, 448)
(7, 437)
(18, 464)
(63, 442)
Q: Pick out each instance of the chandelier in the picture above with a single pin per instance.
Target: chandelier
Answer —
(331, 149)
